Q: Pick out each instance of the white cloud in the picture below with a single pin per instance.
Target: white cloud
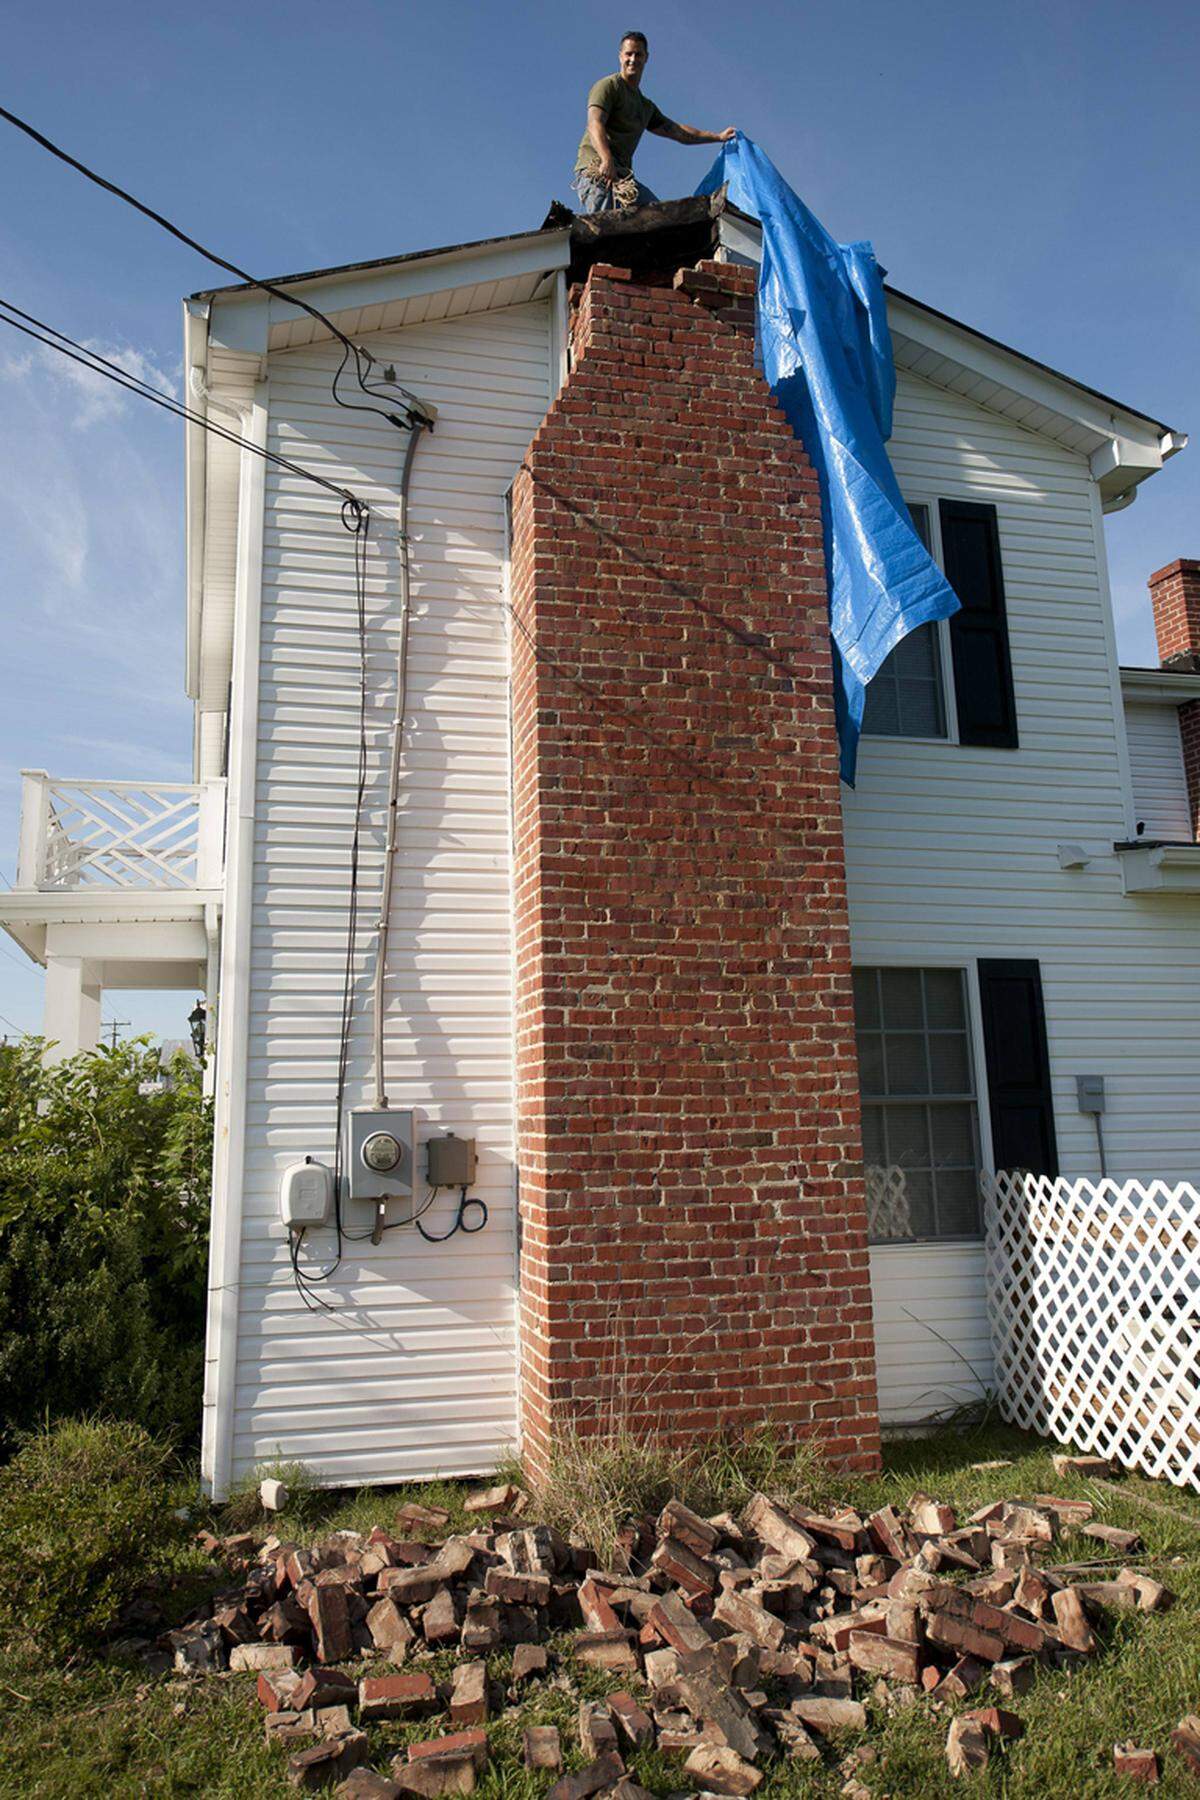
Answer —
(46, 501)
(96, 396)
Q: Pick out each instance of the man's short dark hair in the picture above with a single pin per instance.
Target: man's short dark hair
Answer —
(639, 37)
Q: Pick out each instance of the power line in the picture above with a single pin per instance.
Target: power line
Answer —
(16, 961)
(149, 212)
(416, 415)
(363, 360)
(100, 365)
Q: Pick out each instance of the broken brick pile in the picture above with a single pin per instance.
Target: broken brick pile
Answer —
(730, 1641)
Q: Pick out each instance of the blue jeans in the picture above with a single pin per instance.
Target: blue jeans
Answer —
(597, 196)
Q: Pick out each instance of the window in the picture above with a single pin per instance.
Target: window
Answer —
(958, 670)
(920, 1122)
(906, 698)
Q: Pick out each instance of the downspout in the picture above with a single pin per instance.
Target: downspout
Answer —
(233, 1015)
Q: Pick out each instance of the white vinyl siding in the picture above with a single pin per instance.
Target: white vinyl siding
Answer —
(414, 1374)
(1160, 796)
(952, 856)
(931, 1329)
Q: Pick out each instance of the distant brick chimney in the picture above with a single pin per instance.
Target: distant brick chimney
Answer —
(693, 1228)
(1175, 596)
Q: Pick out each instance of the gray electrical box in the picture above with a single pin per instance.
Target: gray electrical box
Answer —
(381, 1153)
(451, 1161)
(1089, 1090)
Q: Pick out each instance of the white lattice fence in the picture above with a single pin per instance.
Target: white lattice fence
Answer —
(1094, 1301)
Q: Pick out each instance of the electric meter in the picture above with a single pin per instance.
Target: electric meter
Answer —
(382, 1152)
(380, 1164)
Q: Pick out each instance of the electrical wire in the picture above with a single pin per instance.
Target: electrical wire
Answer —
(460, 1220)
(25, 968)
(356, 518)
(347, 1017)
(1100, 1143)
(363, 359)
(100, 365)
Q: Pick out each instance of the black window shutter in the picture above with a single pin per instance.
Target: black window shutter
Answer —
(1018, 1066)
(987, 711)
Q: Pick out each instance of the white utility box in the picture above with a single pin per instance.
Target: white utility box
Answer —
(306, 1195)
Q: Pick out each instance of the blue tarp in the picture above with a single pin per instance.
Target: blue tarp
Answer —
(826, 353)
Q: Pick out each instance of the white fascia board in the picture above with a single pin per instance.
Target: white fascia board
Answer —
(165, 940)
(242, 321)
(195, 356)
(1132, 447)
(1027, 381)
(1147, 686)
(1161, 869)
(104, 906)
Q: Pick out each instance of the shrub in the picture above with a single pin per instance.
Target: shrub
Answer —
(85, 1519)
(105, 1168)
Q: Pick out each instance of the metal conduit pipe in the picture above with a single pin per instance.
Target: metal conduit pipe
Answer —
(417, 425)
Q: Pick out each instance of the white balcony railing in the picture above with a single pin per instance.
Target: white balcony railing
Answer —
(119, 834)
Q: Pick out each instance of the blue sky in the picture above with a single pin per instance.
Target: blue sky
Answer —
(1031, 169)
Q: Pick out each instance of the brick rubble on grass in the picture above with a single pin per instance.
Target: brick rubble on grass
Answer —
(730, 1642)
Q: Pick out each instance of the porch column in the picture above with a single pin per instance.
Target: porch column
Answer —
(71, 1017)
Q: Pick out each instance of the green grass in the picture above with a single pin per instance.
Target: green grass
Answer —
(101, 1730)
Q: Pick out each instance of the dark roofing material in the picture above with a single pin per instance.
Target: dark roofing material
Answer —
(588, 231)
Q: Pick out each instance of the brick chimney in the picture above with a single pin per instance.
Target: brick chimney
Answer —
(693, 1249)
(1175, 596)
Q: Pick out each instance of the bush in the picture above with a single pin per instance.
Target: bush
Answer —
(85, 1519)
(105, 1170)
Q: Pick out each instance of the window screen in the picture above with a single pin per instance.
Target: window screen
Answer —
(920, 1132)
(905, 698)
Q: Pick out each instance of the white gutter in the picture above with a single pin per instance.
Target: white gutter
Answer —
(1123, 461)
(233, 1018)
(1164, 685)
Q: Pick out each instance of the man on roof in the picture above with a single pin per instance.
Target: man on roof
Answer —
(618, 113)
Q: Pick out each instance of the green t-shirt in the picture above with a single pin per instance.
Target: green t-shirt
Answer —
(627, 113)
